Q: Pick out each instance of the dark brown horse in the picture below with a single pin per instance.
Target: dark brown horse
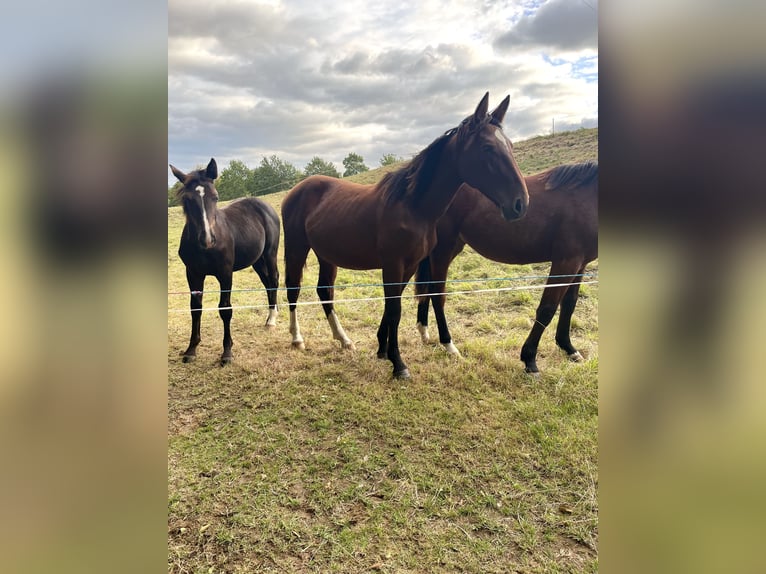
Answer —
(220, 241)
(561, 226)
(392, 225)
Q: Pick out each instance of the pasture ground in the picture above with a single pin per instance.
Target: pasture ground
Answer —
(318, 461)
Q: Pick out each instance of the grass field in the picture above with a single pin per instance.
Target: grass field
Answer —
(318, 461)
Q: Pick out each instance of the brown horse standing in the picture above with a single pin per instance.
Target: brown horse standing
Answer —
(561, 226)
(392, 225)
(220, 241)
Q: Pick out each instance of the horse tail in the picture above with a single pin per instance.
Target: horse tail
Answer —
(423, 279)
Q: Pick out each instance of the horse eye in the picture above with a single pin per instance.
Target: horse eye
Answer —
(487, 148)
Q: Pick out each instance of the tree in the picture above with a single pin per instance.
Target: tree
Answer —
(389, 159)
(173, 194)
(318, 166)
(354, 163)
(274, 175)
(234, 180)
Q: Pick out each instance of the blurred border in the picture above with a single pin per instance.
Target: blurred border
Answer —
(82, 238)
(682, 252)
(83, 235)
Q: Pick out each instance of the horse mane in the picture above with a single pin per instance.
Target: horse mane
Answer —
(411, 180)
(571, 174)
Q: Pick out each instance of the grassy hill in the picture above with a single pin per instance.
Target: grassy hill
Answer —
(533, 155)
(317, 461)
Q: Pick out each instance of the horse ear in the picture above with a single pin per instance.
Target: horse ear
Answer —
(211, 171)
(180, 176)
(481, 109)
(500, 110)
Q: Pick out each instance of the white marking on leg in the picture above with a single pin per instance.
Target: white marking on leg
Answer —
(271, 321)
(337, 331)
(295, 330)
(201, 191)
(576, 357)
(451, 349)
(424, 336)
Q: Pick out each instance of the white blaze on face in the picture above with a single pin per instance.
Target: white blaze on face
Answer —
(201, 191)
(501, 136)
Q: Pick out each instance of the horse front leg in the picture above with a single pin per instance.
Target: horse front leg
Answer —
(196, 285)
(225, 311)
(392, 314)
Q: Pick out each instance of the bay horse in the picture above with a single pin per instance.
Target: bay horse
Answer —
(220, 241)
(391, 225)
(561, 226)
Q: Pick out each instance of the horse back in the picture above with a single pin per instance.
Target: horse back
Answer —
(566, 198)
(338, 219)
(561, 222)
(254, 227)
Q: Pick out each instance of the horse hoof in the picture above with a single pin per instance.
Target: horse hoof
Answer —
(452, 349)
(576, 357)
(533, 371)
(349, 345)
(424, 336)
(403, 374)
(299, 345)
(225, 361)
(382, 355)
(270, 326)
(188, 358)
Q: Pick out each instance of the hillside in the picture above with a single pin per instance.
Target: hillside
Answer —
(532, 155)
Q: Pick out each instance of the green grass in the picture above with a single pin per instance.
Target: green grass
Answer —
(317, 461)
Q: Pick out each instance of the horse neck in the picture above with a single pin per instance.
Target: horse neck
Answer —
(438, 196)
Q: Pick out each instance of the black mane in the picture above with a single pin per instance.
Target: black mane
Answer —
(411, 180)
(571, 174)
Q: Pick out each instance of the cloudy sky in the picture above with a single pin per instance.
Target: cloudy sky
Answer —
(299, 78)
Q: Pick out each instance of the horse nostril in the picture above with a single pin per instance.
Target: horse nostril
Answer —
(518, 207)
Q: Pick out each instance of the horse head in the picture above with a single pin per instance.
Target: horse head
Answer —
(199, 198)
(485, 159)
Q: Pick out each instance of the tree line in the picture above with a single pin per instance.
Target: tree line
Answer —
(274, 174)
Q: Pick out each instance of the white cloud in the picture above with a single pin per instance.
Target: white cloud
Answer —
(298, 79)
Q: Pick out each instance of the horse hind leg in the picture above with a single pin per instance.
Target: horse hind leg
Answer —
(563, 329)
(295, 259)
(326, 292)
(422, 289)
(266, 268)
(423, 303)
